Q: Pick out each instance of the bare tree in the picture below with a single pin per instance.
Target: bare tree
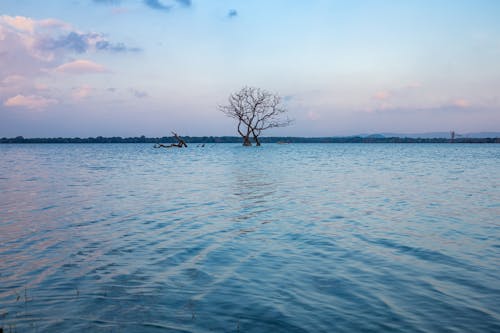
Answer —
(180, 142)
(256, 110)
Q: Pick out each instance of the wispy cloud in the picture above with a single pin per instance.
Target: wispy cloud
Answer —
(82, 92)
(186, 3)
(108, 2)
(81, 67)
(232, 13)
(461, 103)
(72, 41)
(82, 42)
(166, 5)
(139, 93)
(400, 96)
(13, 80)
(313, 115)
(32, 102)
(381, 95)
(155, 4)
(117, 47)
(115, 5)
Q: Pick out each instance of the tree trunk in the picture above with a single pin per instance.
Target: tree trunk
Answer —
(255, 137)
(246, 141)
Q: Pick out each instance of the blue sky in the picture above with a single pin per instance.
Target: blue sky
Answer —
(124, 67)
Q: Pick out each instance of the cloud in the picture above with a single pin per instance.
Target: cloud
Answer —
(41, 86)
(139, 94)
(108, 2)
(104, 45)
(32, 102)
(15, 84)
(72, 41)
(20, 23)
(185, 3)
(30, 42)
(81, 67)
(29, 25)
(53, 24)
(232, 13)
(82, 42)
(13, 80)
(166, 5)
(461, 103)
(382, 95)
(155, 4)
(313, 115)
(81, 92)
(115, 4)
(406, 95)
(32, 50)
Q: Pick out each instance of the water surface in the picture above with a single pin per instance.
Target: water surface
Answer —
(281, 238)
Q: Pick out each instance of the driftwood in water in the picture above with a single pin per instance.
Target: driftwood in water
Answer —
(180, 143)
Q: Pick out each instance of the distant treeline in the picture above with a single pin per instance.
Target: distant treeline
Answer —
(236, 139)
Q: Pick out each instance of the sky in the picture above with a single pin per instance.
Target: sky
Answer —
(79, 68)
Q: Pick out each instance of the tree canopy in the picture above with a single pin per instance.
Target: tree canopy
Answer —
(255, 110)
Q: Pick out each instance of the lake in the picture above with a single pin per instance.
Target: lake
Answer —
(225, 238)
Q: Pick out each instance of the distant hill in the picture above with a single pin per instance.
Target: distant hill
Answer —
(482, 135)
(433, 135)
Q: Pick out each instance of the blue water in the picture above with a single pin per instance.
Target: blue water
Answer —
(281, 238)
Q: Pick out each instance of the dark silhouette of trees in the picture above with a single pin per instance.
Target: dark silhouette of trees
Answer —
(255, 110)
(235, 139)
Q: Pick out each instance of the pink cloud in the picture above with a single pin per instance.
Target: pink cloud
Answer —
(13, 80)
(382, 95)
(461, 103)
(32, 47)
(312, 115)
(14, 84)
(41, 86)
(26, 24)
(81, 67)
(53, 23)
(20, 23)
(82, 92)
(32, 102)
(17, 84)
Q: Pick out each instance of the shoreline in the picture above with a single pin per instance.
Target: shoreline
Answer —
(234, 139)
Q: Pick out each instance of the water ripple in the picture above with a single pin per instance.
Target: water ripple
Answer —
(282, 238)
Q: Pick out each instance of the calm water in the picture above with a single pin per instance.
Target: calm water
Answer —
(282, 238)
